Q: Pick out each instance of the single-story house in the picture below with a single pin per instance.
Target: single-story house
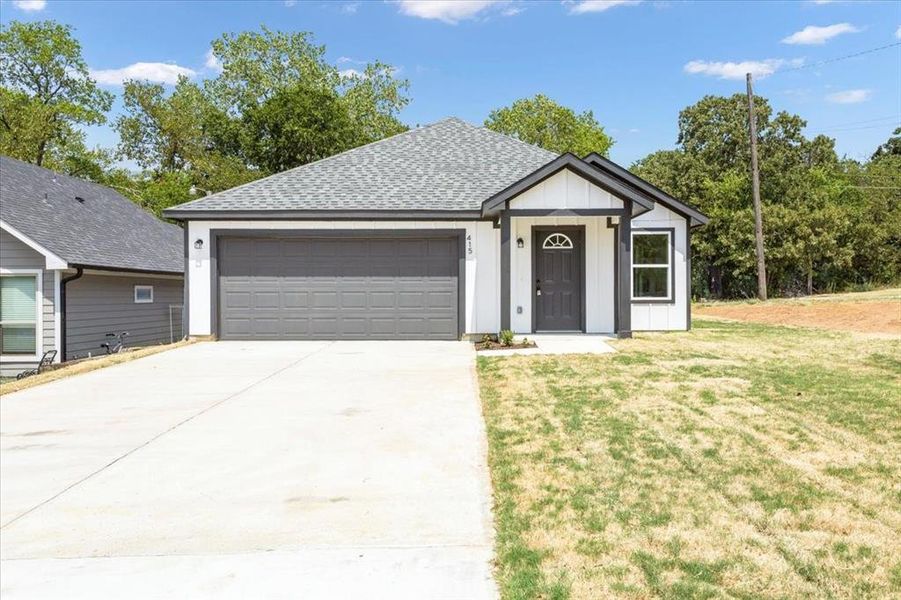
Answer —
(77, 261)
(444, 231)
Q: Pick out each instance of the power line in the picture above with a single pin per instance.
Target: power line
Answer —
(886, 118)
(838, 58)
(843, 129)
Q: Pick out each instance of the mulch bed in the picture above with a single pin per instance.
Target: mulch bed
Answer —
(492, 345)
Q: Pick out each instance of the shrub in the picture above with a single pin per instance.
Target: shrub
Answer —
(505, 337)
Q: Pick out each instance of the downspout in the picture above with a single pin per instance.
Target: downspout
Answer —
(62, 310)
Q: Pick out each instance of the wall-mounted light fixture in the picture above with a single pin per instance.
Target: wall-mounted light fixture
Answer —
(520, 243)
(198, 244)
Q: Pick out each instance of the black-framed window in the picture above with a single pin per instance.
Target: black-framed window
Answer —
(652, 264)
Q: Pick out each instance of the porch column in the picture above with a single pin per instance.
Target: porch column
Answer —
(505, 270)
(624, 273)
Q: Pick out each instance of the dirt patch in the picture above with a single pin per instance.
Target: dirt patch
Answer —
(882, 317)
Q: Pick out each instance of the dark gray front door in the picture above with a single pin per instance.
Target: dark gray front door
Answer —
(558, 279)
(344, 287)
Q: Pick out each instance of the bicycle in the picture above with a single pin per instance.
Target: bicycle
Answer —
(118, 346)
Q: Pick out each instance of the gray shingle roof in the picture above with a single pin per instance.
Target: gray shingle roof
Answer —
(449, 165)
(106, 230)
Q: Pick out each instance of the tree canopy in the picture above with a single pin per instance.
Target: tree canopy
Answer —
(819, 211)
(275, 105)
(46, 93)
(543, 122)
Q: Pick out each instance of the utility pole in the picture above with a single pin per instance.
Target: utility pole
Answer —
(755, 190)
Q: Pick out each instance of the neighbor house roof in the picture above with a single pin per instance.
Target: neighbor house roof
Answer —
(447, 166)
(84, 223)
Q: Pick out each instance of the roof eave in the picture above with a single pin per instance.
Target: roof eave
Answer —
(317, 215)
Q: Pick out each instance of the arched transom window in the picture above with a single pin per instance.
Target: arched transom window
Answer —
(557, 241)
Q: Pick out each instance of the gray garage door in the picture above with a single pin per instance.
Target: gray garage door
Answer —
(339, 287)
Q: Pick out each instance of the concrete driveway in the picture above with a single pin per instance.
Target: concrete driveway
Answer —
(251, 470)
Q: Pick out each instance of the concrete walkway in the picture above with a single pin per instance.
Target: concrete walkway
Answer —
(251, 470)
(560, 343)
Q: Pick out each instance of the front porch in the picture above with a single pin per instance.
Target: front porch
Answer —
(561, 273)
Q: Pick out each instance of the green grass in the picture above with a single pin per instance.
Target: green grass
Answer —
(737, 459)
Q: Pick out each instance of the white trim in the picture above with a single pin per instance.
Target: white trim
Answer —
(52, 260)
(668, 266)
(141, 287)
(39, 317)
(562, 242)
(57, 316)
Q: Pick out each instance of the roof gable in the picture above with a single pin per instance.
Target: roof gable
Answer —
(496, 203)
(84, 223)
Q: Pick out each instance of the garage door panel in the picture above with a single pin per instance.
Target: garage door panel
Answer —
(339, 288)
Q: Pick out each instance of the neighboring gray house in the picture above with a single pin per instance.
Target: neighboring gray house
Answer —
(444, 231)
(77, 261)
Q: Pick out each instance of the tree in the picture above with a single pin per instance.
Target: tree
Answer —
(46, 93)
(297, 125)
(892, 147)
(819, 211)
(543, 122)
(158, 131)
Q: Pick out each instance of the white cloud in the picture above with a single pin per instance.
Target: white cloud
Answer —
(593, 6)
(849, 96)
(145, 71)
(819, 35)
(30, 5)
(898, 32)
(449, 11)
(211, 62)
(290, 3)
(350, 8)
(350, 73)
(733, 70)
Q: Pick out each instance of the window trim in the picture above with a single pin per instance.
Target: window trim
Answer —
(38, 274)
(670, 297)
(143, 287)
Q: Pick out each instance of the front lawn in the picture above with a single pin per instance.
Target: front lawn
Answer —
(735, 460)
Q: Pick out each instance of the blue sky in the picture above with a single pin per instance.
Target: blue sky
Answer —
(635, 64)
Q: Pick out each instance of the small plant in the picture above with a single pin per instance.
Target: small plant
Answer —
(486, 339)
(505, 337)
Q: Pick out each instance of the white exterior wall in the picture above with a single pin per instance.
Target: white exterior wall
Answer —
(482, 294)
(561, 191)
(674, 315)
(565, 190)
(599, 273)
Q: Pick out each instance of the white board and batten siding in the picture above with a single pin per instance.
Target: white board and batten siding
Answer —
(18, 258)
(482, 242)
(674, 315)
(561, 191)
(482, 253)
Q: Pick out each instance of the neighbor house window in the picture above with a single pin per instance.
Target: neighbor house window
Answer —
(18, 314)
(652, 265)
(143, 294)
